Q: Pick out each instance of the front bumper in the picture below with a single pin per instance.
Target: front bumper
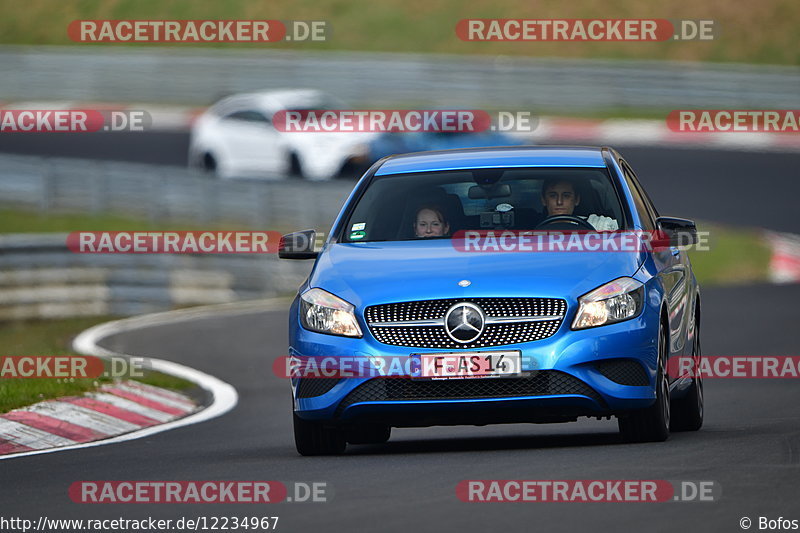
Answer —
(594, 372)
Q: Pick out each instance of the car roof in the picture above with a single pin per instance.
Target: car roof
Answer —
(494, 157)
(275, 100)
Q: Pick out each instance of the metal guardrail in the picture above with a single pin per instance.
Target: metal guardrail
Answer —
(167, 194)
(41, 278)
(183, 76)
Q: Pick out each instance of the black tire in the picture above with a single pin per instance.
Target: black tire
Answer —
(652, 423)
(209, 163)
(368, 434)
(687, 412)
(314, 438)
(295, 168)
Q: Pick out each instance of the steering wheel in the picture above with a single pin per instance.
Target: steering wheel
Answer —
(565, 222)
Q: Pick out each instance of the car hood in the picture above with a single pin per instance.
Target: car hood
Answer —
(384, 272)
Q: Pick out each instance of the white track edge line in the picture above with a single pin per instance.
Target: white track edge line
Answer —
(224, 395)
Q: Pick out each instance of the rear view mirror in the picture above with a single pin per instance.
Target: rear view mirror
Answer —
(477, 192)
(298, 245)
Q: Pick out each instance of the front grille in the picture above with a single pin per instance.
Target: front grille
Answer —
(433, 309)
(493, 335)
(542, 383)
(497, 334)
(624, 372)
(312, 387)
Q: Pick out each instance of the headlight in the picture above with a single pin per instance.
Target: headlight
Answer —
(615, 301)
(323, 312)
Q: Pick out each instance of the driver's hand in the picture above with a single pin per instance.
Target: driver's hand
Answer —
(602, 223)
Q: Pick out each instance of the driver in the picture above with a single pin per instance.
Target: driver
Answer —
(560, 198)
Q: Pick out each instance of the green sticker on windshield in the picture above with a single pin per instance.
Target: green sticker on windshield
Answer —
(356, 235)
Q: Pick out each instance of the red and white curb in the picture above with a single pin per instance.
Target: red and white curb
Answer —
(114, 409)
(223, 395)
(784, 265)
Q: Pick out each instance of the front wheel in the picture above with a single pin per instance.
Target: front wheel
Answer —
(295, 167)
(208, 163)
(314, 438)
(687, 412)
(652, 423)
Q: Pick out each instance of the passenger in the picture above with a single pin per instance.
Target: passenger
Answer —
(560, 198)
(430, 222)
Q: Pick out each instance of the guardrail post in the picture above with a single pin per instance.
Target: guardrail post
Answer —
(156, 190)
(48, 185)
(209, 212)
(263, 208)
(100, 188)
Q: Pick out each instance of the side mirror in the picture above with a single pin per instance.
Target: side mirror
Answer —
(678, 231)
(298, 245)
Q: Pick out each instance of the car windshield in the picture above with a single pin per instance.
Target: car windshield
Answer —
(438, 204)
(314, 103)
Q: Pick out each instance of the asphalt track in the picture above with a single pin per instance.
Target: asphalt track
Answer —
(750, 444)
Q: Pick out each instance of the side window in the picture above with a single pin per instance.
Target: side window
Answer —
(647, 200)
(248, 116)
(641, 203)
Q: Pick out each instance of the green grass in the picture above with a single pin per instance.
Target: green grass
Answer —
(735, 256)
(748, 32)
(618, 113)
(24, 221)
(53, 337)
(19, 221)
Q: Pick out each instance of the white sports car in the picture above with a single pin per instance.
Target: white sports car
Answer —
(236, 138)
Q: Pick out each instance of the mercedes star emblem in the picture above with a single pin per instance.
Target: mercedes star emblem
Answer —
(464, 322)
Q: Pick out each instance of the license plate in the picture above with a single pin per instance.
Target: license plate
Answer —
(466, 365)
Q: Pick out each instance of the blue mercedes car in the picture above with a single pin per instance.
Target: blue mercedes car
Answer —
(495, 285)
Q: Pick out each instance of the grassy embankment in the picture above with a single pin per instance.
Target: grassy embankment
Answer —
(746, 32)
